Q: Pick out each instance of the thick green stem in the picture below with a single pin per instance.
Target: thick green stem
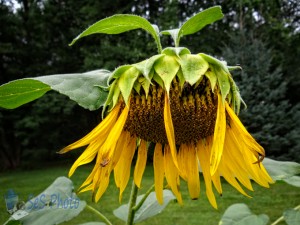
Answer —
(282, 218)
(99, 214)
(138, 206)
(132, 202)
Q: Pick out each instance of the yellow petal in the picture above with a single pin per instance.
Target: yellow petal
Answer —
(244, 134)
(89, 179)
(171, 172)
(87, 156)
(99, 132)
(122, 169)
(235, 161)
(216, 177)
(123, 141)
(229, 177)
(159, 171)
(87, 188)
(121, 147)
(140, 163)
(103, 182)
(107, 149)
(193, 172)
(170, 129)
(250, 151)
(219, 136)
(203, 153)
(182, 161)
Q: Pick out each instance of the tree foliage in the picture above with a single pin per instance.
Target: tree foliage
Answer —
(269, 115)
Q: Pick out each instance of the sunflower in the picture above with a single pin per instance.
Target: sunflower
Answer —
(187, 105)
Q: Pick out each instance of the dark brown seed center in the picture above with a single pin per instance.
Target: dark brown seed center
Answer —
(193, 112)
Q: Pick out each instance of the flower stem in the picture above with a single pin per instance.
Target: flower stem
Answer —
(138, 206)
(132, 203)
(99, 214)
(282, 218)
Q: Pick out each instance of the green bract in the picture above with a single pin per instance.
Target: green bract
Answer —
(163, 68)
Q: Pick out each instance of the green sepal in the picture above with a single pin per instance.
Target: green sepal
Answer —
(223, 82)
(112, 90)
(181, 78)
(121, 23)
(195, 23)
(222, 73)
(118, 72)
(126, 82)
(146, 66)
(212, 77)
(158, 80)
(115, 98)
(193, 67)
(137, 87)
(214, 61)
(167, 68)
(145, 84)
(236, 99)
(177, 51)
(231, 68)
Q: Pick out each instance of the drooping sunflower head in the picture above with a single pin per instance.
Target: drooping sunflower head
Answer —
(188, 83)
(187, 105)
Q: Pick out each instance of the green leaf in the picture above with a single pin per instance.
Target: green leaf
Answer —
(285, 171)
(20, 92)
(150, 207)
(240, 214)
(58, 203)
(292, 216)
(83, 88)
(193, 67)
(196, 23)
(121, 23)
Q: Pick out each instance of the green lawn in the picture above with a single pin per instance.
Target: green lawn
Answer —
(269, 201)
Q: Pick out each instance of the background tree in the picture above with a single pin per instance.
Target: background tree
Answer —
(269, 116)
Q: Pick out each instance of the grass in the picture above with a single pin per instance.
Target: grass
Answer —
(271, 201)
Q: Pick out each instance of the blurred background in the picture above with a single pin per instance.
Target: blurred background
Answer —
(263, 37)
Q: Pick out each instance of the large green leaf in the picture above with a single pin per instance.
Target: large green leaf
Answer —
(83, 88)
(150, 207)
(58, 203)
(196, 23)
(240, 214)
(292, 216)
(120, 23)
(19, 92)
(286, 171)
